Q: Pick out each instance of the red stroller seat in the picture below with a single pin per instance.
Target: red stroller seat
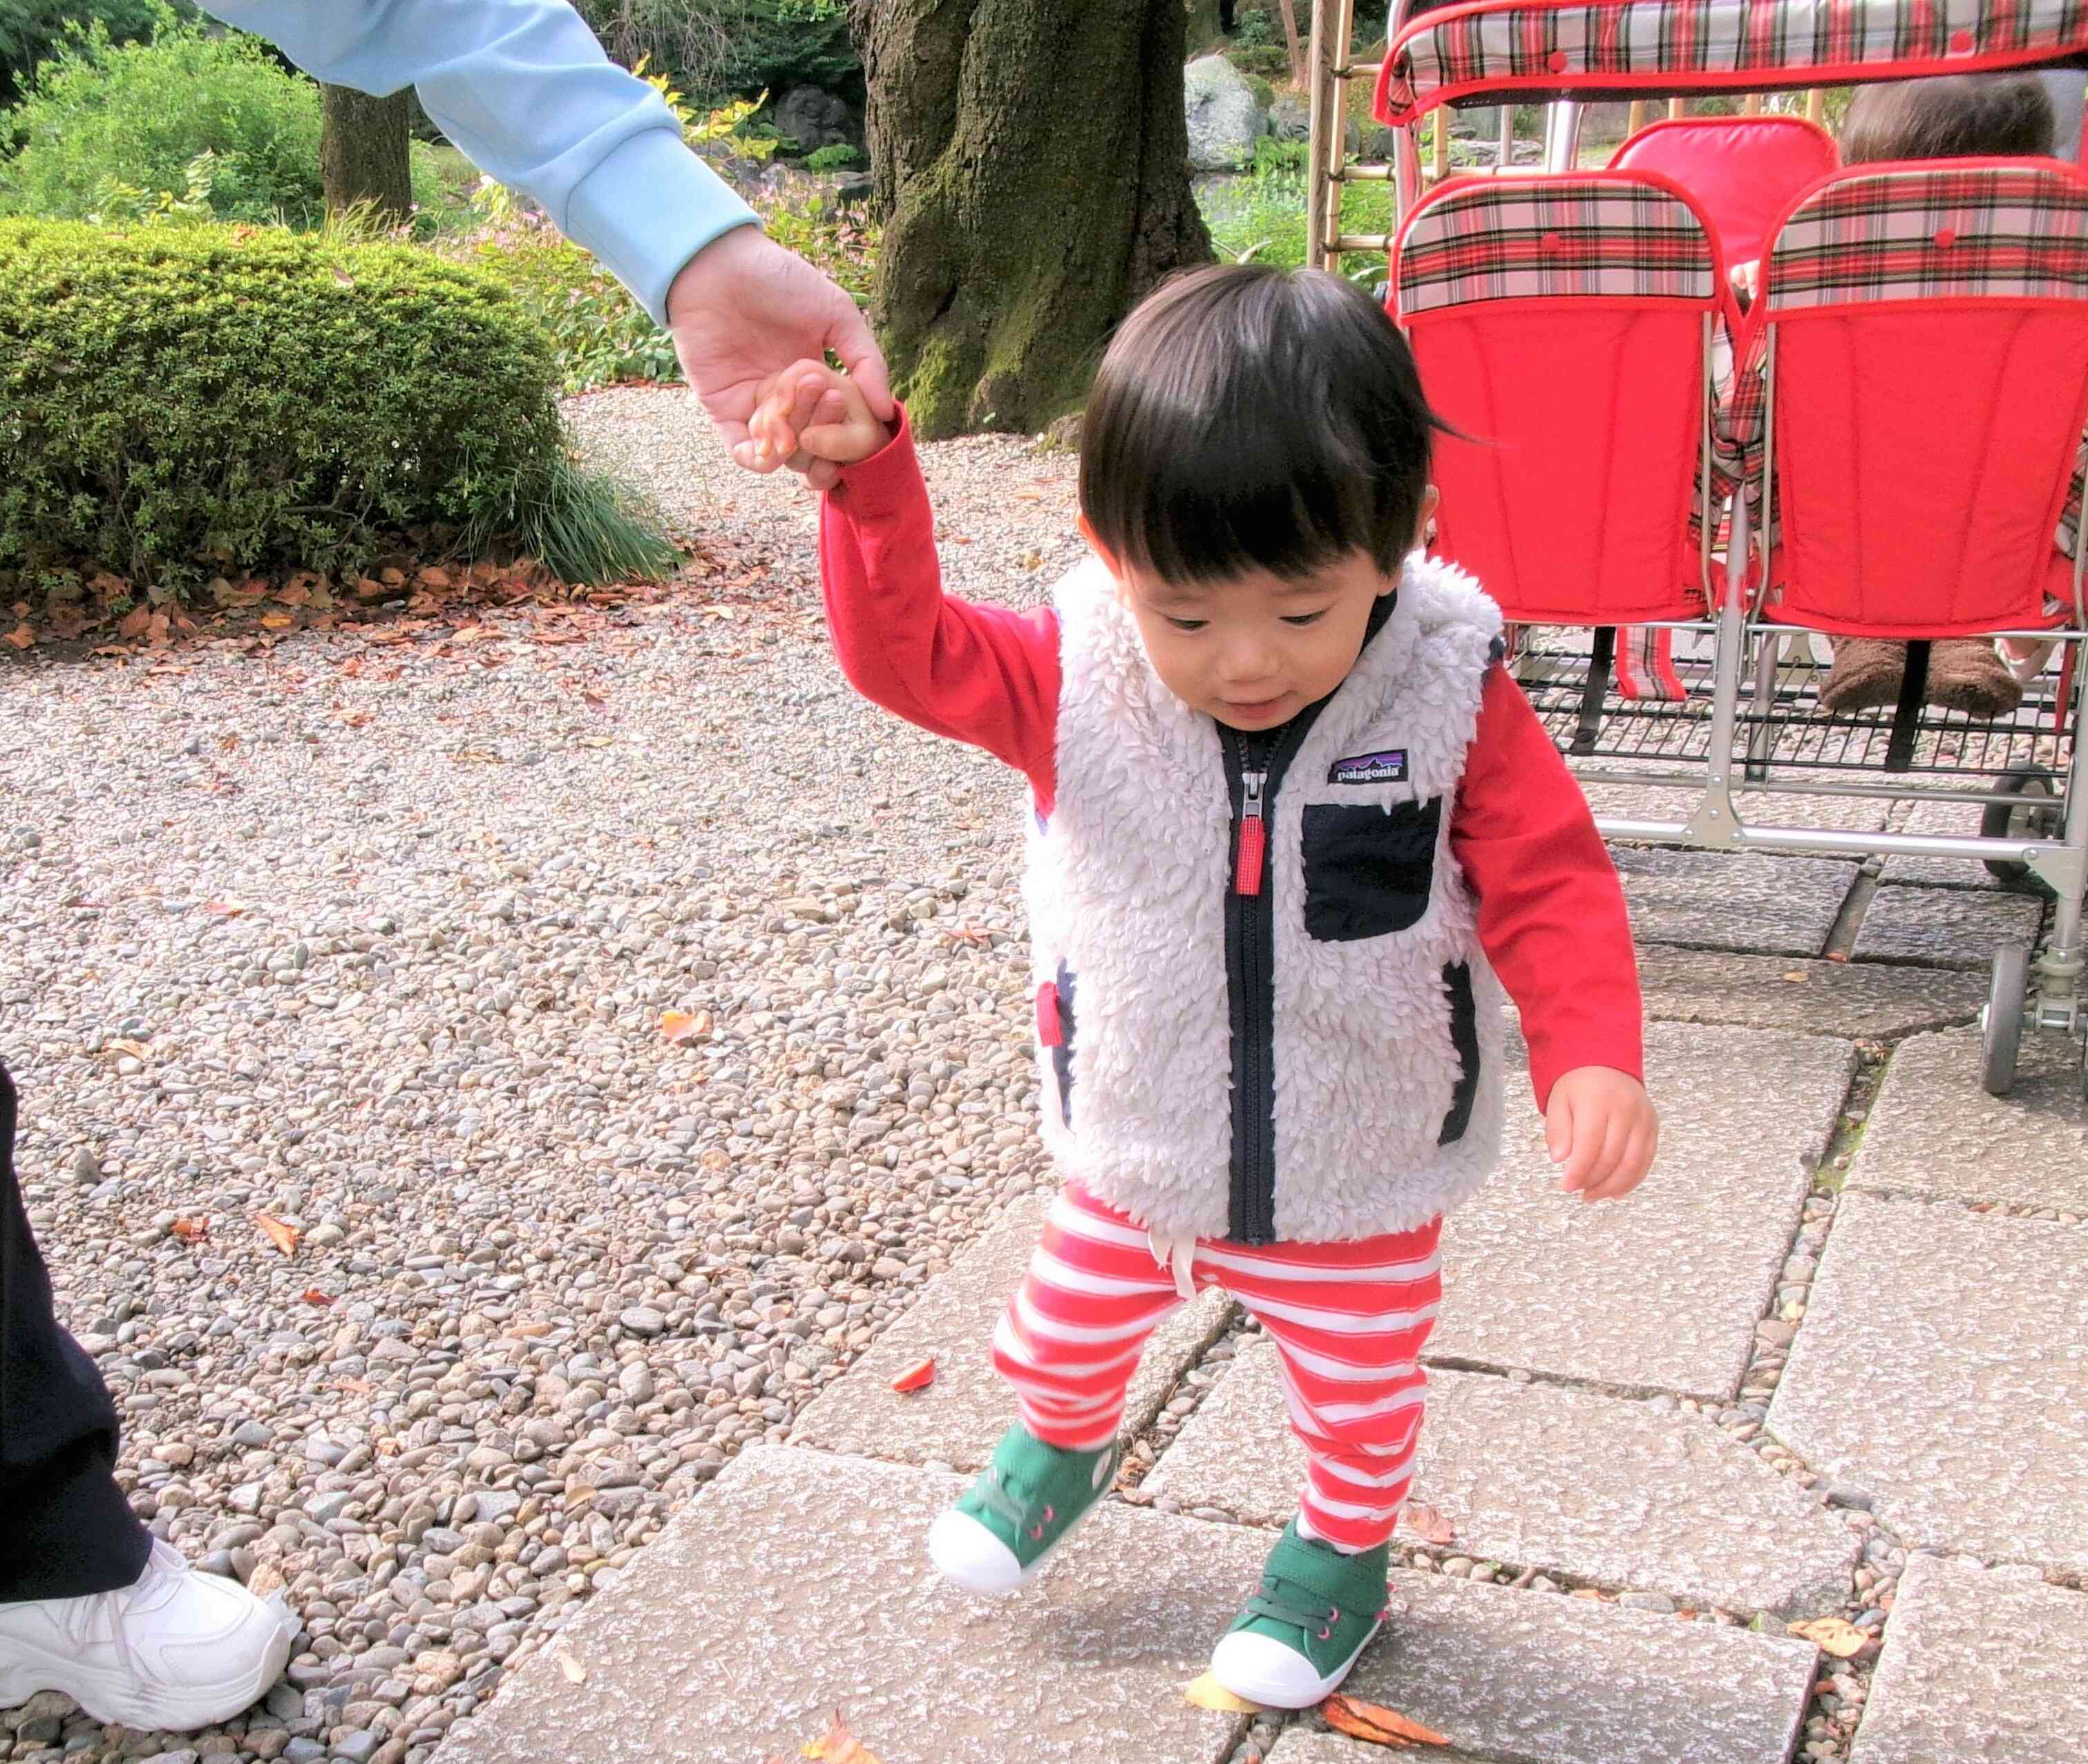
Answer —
(1743, 172)
(1915, 388)
(1571, 326)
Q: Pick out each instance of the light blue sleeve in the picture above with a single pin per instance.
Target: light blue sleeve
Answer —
(523, 87)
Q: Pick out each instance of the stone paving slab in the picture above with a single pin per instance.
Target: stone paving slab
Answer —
(1602, 1489)
(1305, 1745)
(1956, 820)
(1942, 1368)
(1945, 927)
(1751, 902)
(1933, 1130)
(796, 1584)
(1661, 1290)
(1978, 1662)
(958, 1419)
(1861, 1000)
(1541, 1678)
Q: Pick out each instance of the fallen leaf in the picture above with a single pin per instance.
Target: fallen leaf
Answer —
(355, 1387)
(313, 1296)
(1797, 974)
(684, 1026)
(1381, 1727)
(840, 1746)
(575, 1673)
(1207, 1693)
(1428, 1524)
(283, 1237)
(22, 636)
(189, 1230)
(136, 623)
(123, 1045)
(1834, 1635)
(434, 576)
(277, 622)
(223, 909)
(917, 1377)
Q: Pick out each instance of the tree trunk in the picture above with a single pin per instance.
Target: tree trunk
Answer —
(1031, 164)
(365, 154)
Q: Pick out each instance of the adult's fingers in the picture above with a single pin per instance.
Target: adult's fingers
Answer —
(848, 336)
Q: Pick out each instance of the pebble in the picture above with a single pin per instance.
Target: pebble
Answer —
(541, 1247)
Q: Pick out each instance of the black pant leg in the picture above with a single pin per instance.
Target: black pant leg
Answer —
(67, 1530)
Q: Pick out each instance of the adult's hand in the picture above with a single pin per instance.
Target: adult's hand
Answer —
(741, 311)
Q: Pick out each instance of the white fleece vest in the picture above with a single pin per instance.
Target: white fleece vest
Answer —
(1374, 933)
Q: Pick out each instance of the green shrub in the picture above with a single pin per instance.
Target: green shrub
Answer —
(721, 48)
(839, 157)
(106, 118)
(1261, 217)
(180, 402)
(33, 31)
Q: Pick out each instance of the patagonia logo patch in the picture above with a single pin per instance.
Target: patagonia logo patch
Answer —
(1386, 767)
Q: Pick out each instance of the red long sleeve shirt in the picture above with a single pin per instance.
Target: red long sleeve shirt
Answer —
(1551, 914)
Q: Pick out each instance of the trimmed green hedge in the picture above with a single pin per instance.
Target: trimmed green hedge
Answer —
(180, 402)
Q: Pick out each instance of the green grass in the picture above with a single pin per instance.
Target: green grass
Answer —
(588, 527)
(1260, 218)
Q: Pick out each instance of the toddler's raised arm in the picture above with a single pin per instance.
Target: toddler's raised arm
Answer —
(984, 675)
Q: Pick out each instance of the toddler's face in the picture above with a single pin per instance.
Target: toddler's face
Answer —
(1256, 650)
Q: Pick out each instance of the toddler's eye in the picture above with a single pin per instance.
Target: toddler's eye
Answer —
(1188, 624)
(1301, 620)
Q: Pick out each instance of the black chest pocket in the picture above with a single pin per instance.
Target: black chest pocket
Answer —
(1368, 870)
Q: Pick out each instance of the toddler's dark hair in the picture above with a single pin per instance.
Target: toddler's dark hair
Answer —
(1246, 417)
(1957, 115)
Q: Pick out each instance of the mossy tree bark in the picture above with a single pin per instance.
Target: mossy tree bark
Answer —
(1032, 164)
(365, 151)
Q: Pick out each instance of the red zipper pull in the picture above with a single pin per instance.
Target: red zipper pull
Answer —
(1253, 837)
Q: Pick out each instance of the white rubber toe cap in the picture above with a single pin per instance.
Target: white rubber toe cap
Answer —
(968, 1555)
(1263, 1670)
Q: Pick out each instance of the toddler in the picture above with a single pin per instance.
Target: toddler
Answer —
(1291, 818)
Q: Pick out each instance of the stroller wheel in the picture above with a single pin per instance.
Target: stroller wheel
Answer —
(2035, 816)
(2001, 1023)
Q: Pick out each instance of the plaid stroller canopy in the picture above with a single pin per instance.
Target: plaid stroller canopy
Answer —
(1532, 51)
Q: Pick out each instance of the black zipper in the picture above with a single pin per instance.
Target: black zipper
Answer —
(1255, 764)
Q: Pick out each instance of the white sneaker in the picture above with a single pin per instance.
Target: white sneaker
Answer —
(174, 1651)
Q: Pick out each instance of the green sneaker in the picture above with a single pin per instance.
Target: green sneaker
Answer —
(1299, 1635)
(1021, 1508)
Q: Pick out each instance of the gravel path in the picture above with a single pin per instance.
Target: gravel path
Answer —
(377, 940)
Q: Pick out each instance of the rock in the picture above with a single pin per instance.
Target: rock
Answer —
(816, 117)
(86, 1168)
(358, 1747)
(1224, 119)
(322, 1507)
(642, 1320)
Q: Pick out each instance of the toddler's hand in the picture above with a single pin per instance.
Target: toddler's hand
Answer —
(806, 414)
(1601, 1127)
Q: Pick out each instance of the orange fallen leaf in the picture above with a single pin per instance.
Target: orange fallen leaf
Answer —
(434, 576)
(1429, 1524)
(1207, 1693)
(136, 623)
(189, 1230)
(1380, 1726)
(276, 621)
(684, 1026)
(840, 1746)
(22, 636)
(223, 909)
(917, 1377)
(313, 1296)
(283, 1237)
(1834, 1635)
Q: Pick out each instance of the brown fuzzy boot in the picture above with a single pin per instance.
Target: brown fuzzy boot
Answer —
(1964, 674)
(1866, 675)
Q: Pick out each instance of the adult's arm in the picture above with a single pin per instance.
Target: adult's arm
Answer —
(524, 88)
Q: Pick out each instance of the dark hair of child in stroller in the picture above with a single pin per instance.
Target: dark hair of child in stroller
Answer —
(1959, 116)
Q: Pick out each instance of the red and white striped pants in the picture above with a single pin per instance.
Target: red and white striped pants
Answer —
(1348, 1321)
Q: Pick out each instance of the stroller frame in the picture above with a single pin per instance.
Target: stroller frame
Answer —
(1750, 723)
